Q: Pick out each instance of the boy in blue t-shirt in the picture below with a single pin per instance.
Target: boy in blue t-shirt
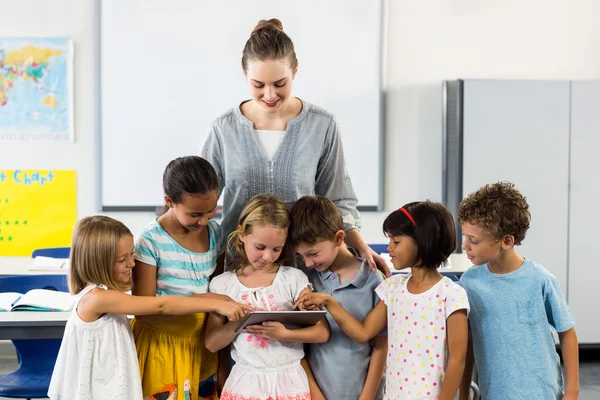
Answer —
(515, 304)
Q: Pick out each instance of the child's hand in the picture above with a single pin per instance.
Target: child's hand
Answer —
(305, 291)
(312, 301)
(232, 310)
(271, 329)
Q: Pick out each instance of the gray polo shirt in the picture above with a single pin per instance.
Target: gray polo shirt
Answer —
(341, 365)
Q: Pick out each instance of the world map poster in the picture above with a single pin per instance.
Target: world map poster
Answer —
(36, 89)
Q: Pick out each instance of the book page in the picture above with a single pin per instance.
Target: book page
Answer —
(49, 263)
(44, 300)
(7, 299)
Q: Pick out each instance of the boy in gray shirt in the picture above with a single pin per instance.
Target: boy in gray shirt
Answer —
(342, 368)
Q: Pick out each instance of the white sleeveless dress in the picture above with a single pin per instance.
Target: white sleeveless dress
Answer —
(97, 360)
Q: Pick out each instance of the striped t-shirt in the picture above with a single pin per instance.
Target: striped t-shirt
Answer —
(181, 272)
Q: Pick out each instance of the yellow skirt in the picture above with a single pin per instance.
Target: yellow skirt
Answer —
(174, 363)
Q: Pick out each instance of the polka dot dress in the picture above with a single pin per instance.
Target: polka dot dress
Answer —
(417, 348)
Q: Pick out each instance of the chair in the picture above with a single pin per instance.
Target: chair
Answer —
(55, 252)
(475, 394)
(379, 248)
(452, 277)
(36, 357)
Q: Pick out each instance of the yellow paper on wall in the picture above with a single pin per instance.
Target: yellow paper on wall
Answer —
(38, 209)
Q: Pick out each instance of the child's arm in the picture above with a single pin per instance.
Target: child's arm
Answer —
(144, 284)
(376, 368)
(318, 333)
(99, 302)
(315, 390)
(219, 333)
(570, 353)
(360, 332)
(457, 349)
(223, 370)
(465, 384)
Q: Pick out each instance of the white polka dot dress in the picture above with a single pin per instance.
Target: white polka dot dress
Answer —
(417, 347)
(97, 360)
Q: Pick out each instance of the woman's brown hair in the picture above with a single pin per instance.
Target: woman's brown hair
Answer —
(268, 41)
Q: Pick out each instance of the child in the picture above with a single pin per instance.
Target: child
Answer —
(176, 255)
(317, 235)
(425, 313)
(267, 356)
(514, 301)
(97, 357)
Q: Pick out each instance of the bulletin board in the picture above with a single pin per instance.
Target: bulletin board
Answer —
(38, 209)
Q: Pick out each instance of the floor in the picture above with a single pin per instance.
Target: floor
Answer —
(589, 369)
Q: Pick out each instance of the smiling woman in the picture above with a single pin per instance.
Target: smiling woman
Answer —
(277, 143)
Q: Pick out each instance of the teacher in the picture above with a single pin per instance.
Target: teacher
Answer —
(277, 143)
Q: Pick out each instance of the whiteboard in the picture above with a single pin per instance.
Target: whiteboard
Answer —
(170, 68)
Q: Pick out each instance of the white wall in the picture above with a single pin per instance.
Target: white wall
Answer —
(428, 41)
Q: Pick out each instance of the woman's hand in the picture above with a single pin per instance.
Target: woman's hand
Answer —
(355, 240)
(376, 262)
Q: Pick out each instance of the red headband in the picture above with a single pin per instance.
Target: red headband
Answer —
(408, 215)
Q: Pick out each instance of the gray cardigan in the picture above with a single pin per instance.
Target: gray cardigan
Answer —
(309, 161)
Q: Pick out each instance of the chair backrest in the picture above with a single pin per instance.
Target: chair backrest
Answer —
(379, 248)
(37, 354)
(55, 252)
(25, 283)
(453, 277)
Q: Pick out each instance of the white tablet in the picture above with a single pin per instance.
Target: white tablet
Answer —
(290, 319)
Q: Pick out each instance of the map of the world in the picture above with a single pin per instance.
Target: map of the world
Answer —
(36, 89)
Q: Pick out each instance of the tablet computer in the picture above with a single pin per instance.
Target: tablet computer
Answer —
(291, 319)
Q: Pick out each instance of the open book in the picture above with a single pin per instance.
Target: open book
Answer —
(36, 300)
(48, 264)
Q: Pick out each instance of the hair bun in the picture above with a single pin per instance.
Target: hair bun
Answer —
(263, 24)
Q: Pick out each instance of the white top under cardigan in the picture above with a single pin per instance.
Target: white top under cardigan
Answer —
(97, 360)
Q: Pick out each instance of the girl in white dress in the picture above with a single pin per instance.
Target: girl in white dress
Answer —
(97, 358)
(267, 356)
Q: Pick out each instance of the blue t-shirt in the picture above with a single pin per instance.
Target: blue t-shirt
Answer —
(512, 318)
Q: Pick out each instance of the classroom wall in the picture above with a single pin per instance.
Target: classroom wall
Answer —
(427, 41)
